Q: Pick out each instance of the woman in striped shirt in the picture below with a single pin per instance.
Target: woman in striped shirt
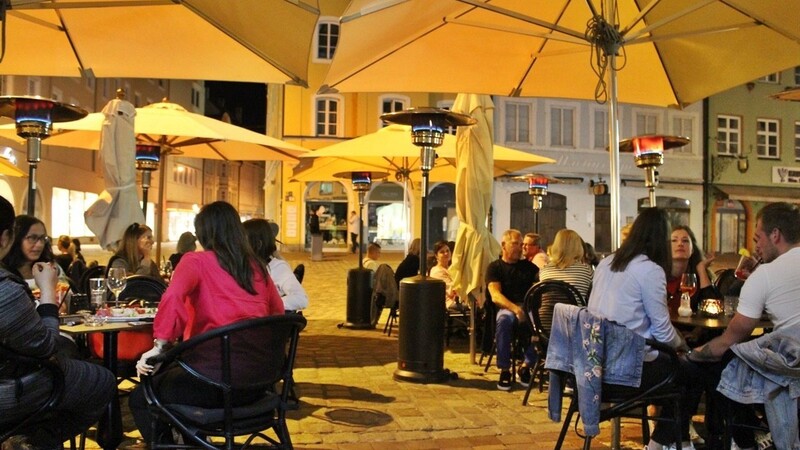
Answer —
(566, 262)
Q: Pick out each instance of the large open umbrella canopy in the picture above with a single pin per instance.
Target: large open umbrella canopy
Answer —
(390, 149)
(668, 53)
(244, 40)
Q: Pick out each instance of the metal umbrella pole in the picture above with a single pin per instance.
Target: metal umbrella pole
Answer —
(422, 299)
(34, 117)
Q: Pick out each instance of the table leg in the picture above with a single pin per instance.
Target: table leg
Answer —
(109, 427)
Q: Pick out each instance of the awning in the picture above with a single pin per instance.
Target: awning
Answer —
(759, 193)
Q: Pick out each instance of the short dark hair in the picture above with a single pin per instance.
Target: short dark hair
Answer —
(373, 246)
(649, 236)
(783, 216)
(6, 215)
(535, 237)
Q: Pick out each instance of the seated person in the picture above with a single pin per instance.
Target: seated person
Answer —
(409, 266)
(373, 254)
(439, 271)
(186, 243)
(33, 330)
(135, 250)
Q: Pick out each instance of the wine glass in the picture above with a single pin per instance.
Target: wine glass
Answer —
(116, 281)
(689, 284)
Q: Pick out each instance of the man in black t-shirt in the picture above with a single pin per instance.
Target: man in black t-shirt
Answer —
(508, 279)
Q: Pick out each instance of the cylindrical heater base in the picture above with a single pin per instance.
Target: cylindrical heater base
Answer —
(422, 322)
(359, 299)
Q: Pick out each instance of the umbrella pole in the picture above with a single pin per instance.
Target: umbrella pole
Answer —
(613, 154)
(159, 219)
(34, 156)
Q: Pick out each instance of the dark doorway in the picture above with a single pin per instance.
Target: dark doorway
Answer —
(552, 217)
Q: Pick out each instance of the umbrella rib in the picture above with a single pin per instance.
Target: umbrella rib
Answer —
(761, 21)
(519, 31)
(671, 18)
(720, 29)
(69, 39)
(525, 18)
(371, 9)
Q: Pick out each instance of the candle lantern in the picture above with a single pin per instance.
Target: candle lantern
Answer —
(34, 117)
(148, 158)
(421, 345)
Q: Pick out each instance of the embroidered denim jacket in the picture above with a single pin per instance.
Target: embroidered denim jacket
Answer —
(595, 351)
(767, 370)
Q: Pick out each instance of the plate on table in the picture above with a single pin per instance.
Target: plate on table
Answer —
(130, 314)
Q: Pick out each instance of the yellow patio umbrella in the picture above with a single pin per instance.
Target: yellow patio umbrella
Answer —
(475, 246)
(667, 53)
(265, 41)
(10, 169)
(390, 149)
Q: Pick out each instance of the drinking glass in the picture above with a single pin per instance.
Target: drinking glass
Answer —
(747, 264)
(689, 284)
(116, 281)
(97, 289)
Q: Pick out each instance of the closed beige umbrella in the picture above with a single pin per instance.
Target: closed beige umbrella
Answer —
(475, 246)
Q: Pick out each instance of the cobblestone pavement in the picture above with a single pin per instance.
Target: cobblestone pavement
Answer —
(349, 400)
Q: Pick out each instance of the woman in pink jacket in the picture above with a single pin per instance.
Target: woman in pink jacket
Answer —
(221, 285)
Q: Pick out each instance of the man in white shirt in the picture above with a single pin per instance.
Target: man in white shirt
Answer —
(371, 260)
(354, 228)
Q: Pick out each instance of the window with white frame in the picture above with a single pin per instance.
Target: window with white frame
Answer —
(518, 122)
(797, 141)
(646, 123)
(729, 135)
(774, 78)
(562, 126)
(767, 138)
(390, 104)
(683, 126)
(600, 128)
(326, 38)
(327, 114)
(797, 76)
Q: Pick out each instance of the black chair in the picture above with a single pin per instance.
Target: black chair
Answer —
(726, 281)
(252, 355)
(299, 272)
(144, 290)
(91, 272)
(539, 303)
(628, 402)
(520, 338)
(29, 421)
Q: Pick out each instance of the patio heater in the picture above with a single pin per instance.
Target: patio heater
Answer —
(360, 313)
(648, 154)
(148, 158)
(34, 117)
(537, 188)
(422, 299)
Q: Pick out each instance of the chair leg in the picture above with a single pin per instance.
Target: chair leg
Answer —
(491, 355)
(573, 408)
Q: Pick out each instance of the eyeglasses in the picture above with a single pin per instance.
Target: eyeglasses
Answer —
(34, 238)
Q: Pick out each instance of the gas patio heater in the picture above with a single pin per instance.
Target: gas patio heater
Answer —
(360, 313)
(422, 299)
(34, 117)
(537, 188)
(148, 158)
(648, 154)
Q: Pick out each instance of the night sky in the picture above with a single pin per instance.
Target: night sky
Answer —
(245, 103)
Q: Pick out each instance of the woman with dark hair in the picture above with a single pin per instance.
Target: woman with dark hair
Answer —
(687, 258)
(134, 252)
(441, 252)
(32, 329)
(261, 235)
(223, 284)
(630, 288)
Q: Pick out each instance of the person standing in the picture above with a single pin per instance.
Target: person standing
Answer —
(354, 227)
(508, 279)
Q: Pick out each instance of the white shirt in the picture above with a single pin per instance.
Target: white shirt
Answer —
(635, 298)
(774, 288)
(292, 293)
(370, 264)
(540, 259)
(354, 224)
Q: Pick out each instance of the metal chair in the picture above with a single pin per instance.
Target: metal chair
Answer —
(539, 303)
(56, 391)
(250, 355)
(630, 402)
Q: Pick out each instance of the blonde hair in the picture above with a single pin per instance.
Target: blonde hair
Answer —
(567, 249)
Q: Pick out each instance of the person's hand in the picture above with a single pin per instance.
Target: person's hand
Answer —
(707, 259)
(519, 312)
(702, 354)
(142, 368)
(46, 276)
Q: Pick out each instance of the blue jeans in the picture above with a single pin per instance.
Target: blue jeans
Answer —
(504, 333)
